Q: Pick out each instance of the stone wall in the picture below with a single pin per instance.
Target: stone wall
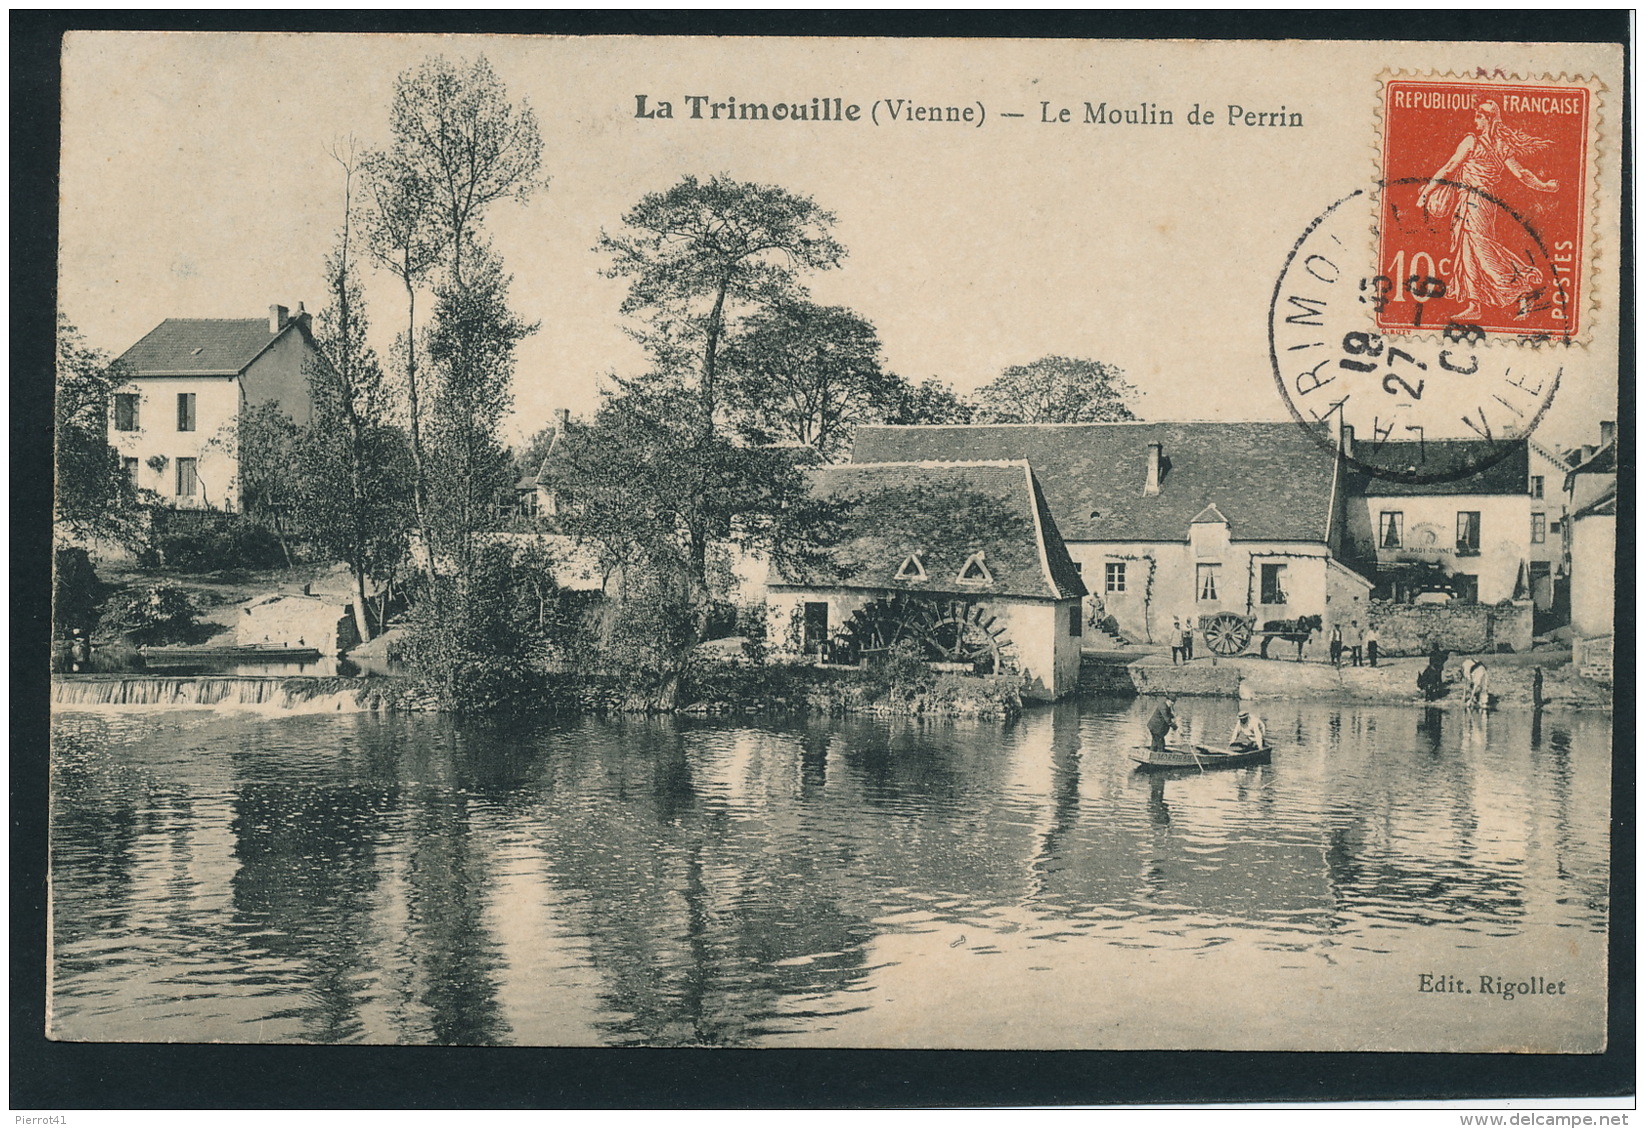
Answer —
(1414, 629)
(298, 621)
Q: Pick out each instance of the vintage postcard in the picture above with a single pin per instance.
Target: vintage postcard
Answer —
(869, 543)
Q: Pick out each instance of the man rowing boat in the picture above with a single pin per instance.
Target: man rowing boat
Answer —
(1249, 733)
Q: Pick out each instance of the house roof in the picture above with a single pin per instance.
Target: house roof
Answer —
(1602, 506)
(201, 346)
(1439, 461)
(1602, 461)
(1273, 481)
(943, 513)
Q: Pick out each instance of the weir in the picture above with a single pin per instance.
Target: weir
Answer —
(296, 694)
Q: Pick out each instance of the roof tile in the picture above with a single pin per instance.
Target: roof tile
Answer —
(1272, 480)
(198, 347)
(1023, 552)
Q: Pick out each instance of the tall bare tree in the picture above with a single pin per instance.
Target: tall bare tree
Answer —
(403, 237)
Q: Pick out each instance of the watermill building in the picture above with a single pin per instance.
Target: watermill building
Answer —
(1173, 522)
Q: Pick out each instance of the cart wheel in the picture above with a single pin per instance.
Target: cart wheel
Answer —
(1227, 634)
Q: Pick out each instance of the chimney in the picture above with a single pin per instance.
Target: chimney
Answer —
(1151, 487)
(1607, 432)
(277, 318)
(562, 417)
(1346, 440)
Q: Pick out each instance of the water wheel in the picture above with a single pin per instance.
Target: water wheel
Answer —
(1227, 634)
(967, 633)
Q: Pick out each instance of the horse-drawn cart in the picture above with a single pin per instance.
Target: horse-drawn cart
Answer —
(1229, 634)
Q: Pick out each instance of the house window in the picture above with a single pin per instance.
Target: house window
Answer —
(528, 504)
(1114, 576)
(1076, 626)
(1539, 529)
(1468, 531)
(187, 481)
(1536, 485)
(125, 411)
(1273, 584)
(130, 467)
(1553, 527)
(1391, 530)
(1208, 581)
(185, 411)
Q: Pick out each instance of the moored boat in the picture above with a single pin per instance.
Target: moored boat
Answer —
(1198, 757)
(242, 652)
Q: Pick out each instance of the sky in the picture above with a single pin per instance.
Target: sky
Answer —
(197, 182)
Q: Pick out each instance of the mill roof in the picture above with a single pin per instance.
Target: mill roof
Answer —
(1442, 465)
(943, 515)
(1273, 481)
(200, 347)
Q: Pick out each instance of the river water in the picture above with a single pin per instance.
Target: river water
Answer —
(249, 876)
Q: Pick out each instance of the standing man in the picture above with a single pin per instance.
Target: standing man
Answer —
(1163, 721)
(1356, 641)
(1371, 644)
(1336, 644)
(1188, 639)
(1176, 639)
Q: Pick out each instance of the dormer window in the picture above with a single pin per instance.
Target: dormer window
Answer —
(912, 570)
(975, 571)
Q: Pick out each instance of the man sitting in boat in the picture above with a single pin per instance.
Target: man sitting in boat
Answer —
(1249, 733)
(1163, 721)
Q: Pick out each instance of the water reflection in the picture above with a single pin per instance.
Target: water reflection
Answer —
(681, 882)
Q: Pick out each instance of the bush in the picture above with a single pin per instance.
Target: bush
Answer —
(77, 594)
(218, 543)
(160, 613)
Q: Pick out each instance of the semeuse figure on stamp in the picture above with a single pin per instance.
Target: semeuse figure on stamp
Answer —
(1484, 272)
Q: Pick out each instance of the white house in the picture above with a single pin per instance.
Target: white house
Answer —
(1469, 533)
(174, 419)
(1590, 493)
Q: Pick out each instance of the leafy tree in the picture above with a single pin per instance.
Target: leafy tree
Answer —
(471, 342)
(94, 496)
(650, 492)
(930, 401)
(702, 252)
(460, 138)
(272, 469)
(356, 505)
(1058, 390)
(458, 147)
(806, 374)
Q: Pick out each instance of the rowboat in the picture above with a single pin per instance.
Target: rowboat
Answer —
(243, 652)
(1198, 757)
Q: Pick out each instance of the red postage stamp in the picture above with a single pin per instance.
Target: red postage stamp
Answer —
(1486, 186)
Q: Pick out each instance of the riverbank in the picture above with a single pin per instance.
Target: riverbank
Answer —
(1392, 681)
